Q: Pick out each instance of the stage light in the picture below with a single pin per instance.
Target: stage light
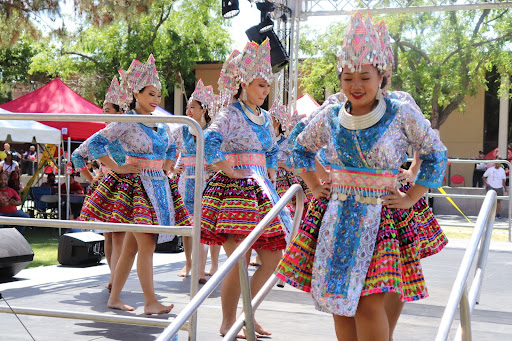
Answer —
(266, 25)
(230, 8)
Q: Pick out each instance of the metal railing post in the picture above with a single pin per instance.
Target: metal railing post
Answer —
(245, 286)
(240, 251)
(458, 294)
(193, 232)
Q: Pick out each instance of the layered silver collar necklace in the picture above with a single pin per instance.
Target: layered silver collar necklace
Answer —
(257, 119)
(365, 121)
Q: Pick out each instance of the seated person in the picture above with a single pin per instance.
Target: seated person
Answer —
(74, 188)
(9, 164)
(50, 181)
(9, 200)
(14, 182)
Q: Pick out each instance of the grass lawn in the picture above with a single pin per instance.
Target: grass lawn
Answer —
(44, 243)
(498, 235)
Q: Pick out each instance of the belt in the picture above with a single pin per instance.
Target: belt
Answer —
(247, 159)
(367, 185)
(151, 164)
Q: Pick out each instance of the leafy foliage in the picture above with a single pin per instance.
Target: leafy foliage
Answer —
(178, 33)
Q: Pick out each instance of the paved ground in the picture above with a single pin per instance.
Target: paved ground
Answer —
(287, 312)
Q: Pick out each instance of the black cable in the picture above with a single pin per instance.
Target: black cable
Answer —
(1, 297)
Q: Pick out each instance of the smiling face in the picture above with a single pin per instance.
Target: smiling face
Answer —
(195, 111)
(361, 88)
(257, 91)
(148, 98)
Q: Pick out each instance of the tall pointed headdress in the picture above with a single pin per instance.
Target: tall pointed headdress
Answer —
(203, 94)
(139, 75)
(361, 45)
(229, 79)
(255, 62)
(385, 42)
(115, 95)
(279, 112)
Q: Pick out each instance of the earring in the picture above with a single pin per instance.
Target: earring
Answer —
(203, 120)
(137, 106)
(379, 95)
(244, 95)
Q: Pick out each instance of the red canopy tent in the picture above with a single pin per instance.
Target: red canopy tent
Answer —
(56, 98)
(494, 154)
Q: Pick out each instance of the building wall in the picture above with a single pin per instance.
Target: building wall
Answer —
(463, 135)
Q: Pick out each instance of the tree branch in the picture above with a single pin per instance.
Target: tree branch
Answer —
(163, 17)
(484, 42)
(415, 48)
(484, 15)
(81, 55)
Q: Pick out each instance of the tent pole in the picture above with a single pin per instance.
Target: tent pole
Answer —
(68, 189)
(58, 189)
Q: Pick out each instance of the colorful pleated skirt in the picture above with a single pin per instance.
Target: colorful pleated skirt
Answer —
(121, 198)
(236, 206)
(284, 181)
(395, 263)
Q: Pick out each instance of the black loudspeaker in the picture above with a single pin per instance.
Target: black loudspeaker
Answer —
(15, 252)
(174, 246)
(81, 248)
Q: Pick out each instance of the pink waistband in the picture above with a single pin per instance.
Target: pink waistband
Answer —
(247, 159)
(361, 180)
(145, 163)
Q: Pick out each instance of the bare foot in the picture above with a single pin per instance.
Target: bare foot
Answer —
(109, 287)
(202, 280)
(260, 330)
(157, 308)
(223, 331)
(120, 305)
(212, 271)
(184, 272)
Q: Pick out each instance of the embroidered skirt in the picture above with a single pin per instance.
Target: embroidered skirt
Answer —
(236, 206)
(121, 198)
(394, 266)
(431, 236)
(284, 181)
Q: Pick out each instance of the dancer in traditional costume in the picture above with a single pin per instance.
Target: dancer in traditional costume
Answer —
(198, 108)
(241, 143)
(357, 251)
(113, 105)
(138, 192)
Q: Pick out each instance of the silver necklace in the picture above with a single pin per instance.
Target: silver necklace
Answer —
(352, 122)
(257, 119)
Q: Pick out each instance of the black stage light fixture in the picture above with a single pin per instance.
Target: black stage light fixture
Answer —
(230, 8)
(266, 25)
(278, 56)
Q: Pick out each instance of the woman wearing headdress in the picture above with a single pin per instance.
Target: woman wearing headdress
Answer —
(198, 108)
(241, 143)
(139, 191)
(112, 105)
(364, 246)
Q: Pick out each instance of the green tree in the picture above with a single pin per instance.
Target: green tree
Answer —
(178, 33)
(440, 57)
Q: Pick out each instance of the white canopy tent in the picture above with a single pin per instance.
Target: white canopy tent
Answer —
(28, 131)
(24, 131)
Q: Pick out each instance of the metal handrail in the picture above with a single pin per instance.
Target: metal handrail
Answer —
(459, 294)
(196, 228)
(238, 257)
(474, 196)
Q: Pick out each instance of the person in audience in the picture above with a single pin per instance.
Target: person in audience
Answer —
(9, 165)
(479, 171)
(50, 181)
(494, 178)
(30, 160)
(74, 188)
(14, 182)
(9, 200)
